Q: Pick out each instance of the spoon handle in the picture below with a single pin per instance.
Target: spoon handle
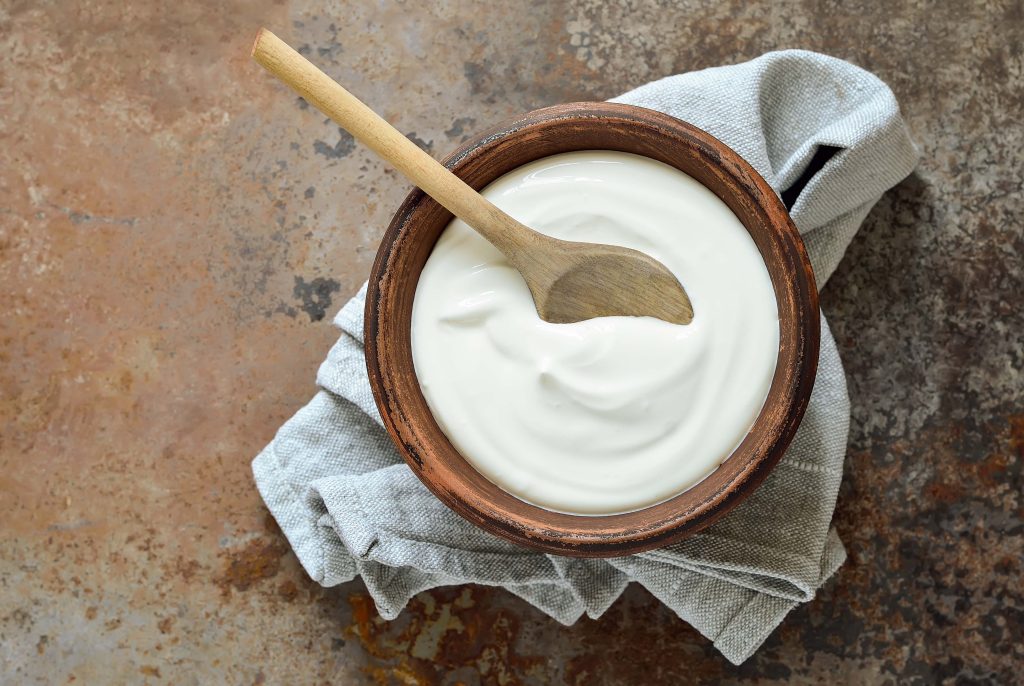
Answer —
(366, 126)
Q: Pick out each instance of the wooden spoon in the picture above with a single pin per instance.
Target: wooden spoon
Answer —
(570, 281)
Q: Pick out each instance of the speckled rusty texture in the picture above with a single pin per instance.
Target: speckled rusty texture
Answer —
(176, 230)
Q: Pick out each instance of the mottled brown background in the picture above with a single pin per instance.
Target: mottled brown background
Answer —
(176, 231)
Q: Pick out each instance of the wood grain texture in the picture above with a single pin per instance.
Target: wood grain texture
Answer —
(570, 281)
(410, 239)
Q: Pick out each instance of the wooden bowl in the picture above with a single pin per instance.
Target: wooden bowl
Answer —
(410, 239)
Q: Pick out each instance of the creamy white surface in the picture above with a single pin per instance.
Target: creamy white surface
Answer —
(611, 414)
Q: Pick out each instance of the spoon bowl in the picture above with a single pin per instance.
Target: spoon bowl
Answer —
(599, 280)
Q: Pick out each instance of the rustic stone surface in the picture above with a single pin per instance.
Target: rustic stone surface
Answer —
(176, 230)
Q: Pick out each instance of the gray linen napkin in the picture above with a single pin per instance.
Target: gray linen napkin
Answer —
(349, 505)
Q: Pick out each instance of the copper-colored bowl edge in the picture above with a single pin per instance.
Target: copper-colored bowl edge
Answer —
(464, 490)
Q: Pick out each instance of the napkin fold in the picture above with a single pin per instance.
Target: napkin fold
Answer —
(829, 138)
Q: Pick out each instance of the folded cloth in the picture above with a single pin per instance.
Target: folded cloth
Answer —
(829, 138)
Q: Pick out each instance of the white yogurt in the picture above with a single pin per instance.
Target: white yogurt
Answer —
(611, 414)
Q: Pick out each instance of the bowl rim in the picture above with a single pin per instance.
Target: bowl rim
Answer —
(449, 476)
